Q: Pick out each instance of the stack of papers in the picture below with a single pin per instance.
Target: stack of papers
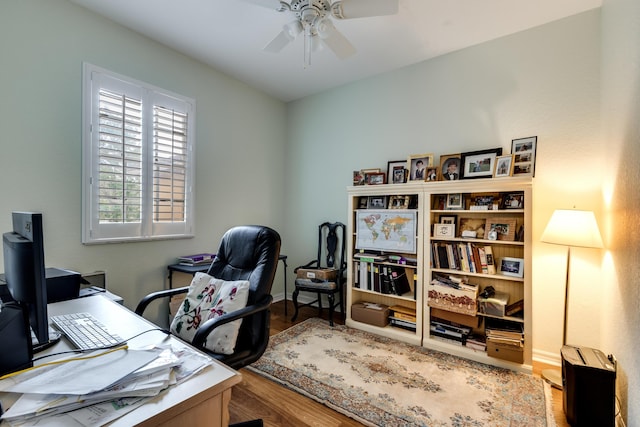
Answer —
(96, 391)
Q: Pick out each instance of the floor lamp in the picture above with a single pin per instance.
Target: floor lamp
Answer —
(571, 228)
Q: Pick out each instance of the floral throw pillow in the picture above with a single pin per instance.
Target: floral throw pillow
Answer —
(206, 299)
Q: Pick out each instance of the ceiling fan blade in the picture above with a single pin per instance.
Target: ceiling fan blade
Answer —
(271, 4)
(278, 43)
(288, 34)
(334, 39)
(348, 9)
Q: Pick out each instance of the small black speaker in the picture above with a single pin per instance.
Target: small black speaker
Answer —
(15, 336)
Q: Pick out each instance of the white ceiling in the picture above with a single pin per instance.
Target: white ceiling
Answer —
(230, 34)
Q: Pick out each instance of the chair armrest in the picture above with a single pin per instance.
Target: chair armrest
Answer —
(310, 264)
(208, 326)
(144, 302)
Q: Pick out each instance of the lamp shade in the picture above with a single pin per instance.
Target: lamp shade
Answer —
(571, 227)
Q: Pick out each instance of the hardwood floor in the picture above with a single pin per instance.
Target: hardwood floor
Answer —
(256, 397)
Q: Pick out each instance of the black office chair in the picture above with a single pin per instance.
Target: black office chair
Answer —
(331, 254)
(245, 253)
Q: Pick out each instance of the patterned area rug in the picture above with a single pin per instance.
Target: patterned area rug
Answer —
(383, 382)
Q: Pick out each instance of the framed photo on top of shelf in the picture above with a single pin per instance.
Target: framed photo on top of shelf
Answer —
(396, 171)
(399, 202)
(387, 230)
(432, 174)
(450, 167)
(500, 229)
(375, 178)
(454, 201)
(504, 166)
(479, 164)
(377, 202)
(524, 156)
(417, 165)
(358, 178)
(511, 267)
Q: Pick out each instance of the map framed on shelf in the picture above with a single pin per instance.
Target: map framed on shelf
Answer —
(386, 230)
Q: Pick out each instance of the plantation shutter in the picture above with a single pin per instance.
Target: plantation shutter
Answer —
(119, 158)
(137, 160)
(169, 164)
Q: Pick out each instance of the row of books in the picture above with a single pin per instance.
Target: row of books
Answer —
(463, 256)
(197, 259)
(403, 317)
(386, 279)
(505, 333)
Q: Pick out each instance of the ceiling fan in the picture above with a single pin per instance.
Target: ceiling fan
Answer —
(313, 20)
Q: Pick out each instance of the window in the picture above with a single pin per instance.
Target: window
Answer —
(138, 164)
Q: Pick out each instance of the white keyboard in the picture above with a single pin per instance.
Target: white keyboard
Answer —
(85, 331)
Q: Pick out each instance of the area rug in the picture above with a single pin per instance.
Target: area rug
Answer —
(383, 382)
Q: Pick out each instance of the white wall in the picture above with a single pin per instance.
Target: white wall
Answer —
(621, 113)
(544, 82)
(240, 137)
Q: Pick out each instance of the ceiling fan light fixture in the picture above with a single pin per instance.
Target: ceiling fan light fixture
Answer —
(292, 29)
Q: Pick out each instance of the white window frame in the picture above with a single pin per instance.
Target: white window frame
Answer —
(95, 231)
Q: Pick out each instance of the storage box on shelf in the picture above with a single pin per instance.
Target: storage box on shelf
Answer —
(474, 231)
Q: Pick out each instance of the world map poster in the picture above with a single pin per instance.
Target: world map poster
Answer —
(386, 230)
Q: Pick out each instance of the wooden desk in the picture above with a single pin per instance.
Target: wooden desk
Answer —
(202, 400)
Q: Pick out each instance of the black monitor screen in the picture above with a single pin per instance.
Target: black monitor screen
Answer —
(23, 251)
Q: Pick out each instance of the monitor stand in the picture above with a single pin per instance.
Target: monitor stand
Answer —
(54, 337)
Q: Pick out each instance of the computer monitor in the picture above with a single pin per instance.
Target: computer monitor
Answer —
(24, 270)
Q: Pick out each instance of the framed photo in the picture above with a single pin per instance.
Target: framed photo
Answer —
(448, 219)
(472, 228)
(372, 225)
(453, 201)
(375, 178)
(524, 156)
(417, 165)
(377, 202)
(432, 173)
(511, 267)
(444, 230)
(367, 172)
(504, 166)
(500, 229)
(399, 202)
(513, 200)
(358, 178)
(450, 167)
(479, 164)
(363, 202)
(396, 171)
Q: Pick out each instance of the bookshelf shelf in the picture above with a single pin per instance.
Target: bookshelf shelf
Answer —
(488, 276)
(427, 200)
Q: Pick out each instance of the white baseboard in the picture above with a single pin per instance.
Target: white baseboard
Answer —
(546, 357)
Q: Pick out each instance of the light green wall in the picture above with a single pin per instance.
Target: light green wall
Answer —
(240, 136)
(621, 114)
(544, 82)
